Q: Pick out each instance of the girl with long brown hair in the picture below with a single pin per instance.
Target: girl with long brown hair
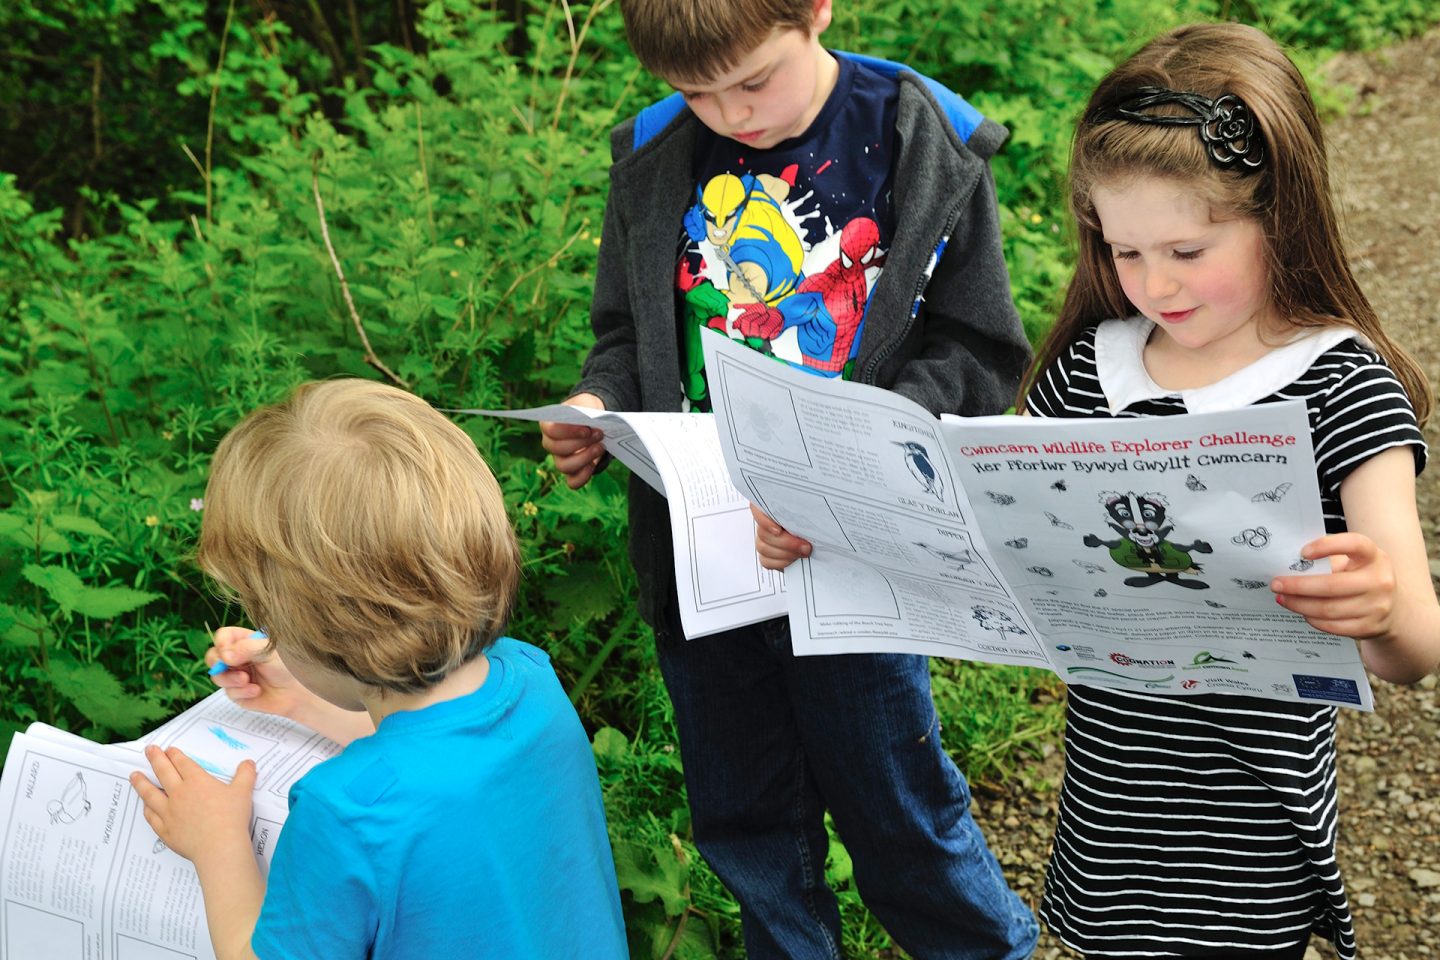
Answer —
(1211, 276)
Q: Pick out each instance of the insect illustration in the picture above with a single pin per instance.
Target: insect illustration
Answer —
(1248, 584)
(1019, 543)
(1003, 499)
(1213, 603)
(1059, 485)
(917, 461)
(1248, 655)
(1057, 522)
(1195, 483)
(1257, 537)
(1272, 496)
(1102, 592)
(1302, 564)
(72, 804)
(1042, 571)
(1089, 566)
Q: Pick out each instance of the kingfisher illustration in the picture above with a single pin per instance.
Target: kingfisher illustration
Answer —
(917, 458)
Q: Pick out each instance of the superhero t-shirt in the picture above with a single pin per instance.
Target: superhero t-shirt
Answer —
(782, 246)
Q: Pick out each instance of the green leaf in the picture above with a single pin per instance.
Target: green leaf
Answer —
(8, 729)
(100, 697)
(610, 744)
(649, 877)
(70, 592)
(19, 627)
(73, 523)
(586, 593)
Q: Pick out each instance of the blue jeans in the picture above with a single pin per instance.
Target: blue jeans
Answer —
(770, 741)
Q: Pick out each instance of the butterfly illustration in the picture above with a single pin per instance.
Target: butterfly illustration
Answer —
(1003, 499)
(1057, 522)
(1272, 496)
(1194, 482)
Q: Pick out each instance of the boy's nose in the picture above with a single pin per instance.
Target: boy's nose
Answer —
(734, 112)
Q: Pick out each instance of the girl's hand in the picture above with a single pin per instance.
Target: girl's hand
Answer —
(1356, 599)
(778, 548)
(190, 810)
(575, 448)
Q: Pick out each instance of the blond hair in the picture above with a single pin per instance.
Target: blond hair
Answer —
(362, 530)
(1288, 197)
(697, 40)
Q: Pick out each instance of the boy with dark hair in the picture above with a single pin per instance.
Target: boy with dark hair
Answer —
(364, 530)
(837, 212)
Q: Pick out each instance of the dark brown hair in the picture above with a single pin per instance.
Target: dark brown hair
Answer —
(1311, 284)
(697, 40)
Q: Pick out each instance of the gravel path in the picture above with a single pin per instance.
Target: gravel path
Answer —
(1385, 156)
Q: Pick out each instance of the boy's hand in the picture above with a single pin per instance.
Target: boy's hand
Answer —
(192, 811)
(575, 448)
(778, 548)
(261, 682)
(1356, 599)
(256, 680)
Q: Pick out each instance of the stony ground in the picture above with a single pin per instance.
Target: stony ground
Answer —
(1385, 156)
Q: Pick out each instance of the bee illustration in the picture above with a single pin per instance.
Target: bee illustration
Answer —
(1194, 483)
(1272, 496)
(1057, 522)
(1003, 499)
(1059, 485)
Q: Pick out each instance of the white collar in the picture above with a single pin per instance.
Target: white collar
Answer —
(1120, 365)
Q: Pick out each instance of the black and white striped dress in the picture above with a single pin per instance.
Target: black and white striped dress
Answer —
(1200, 824)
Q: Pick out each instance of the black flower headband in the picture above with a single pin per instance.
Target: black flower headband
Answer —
(1227, 127)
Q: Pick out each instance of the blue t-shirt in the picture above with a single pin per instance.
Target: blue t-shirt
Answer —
(783, 245)
(470, 828)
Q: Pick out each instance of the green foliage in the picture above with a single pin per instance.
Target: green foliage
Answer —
(191, 200)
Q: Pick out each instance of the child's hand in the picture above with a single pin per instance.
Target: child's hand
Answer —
(1356, 599)
(256, 680)
(192, 810)
(575, 448)
(778, 548)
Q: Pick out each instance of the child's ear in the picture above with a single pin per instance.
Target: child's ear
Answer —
(821, 16)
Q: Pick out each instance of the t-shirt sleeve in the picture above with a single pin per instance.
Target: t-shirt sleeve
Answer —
(1366, 412)
(1068, 387)
(320, 897)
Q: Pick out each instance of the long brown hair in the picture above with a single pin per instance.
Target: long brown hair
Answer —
(1288, 197)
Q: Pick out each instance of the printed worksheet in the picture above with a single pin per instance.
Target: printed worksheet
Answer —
(82, 875)
(1130, 553)
(720, 584)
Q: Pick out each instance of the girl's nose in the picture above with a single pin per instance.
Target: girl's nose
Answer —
(1159, 284)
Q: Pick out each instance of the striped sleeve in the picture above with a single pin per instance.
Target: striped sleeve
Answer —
(1365, 411)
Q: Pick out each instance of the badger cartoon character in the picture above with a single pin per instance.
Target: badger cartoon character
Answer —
(1143, 544)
